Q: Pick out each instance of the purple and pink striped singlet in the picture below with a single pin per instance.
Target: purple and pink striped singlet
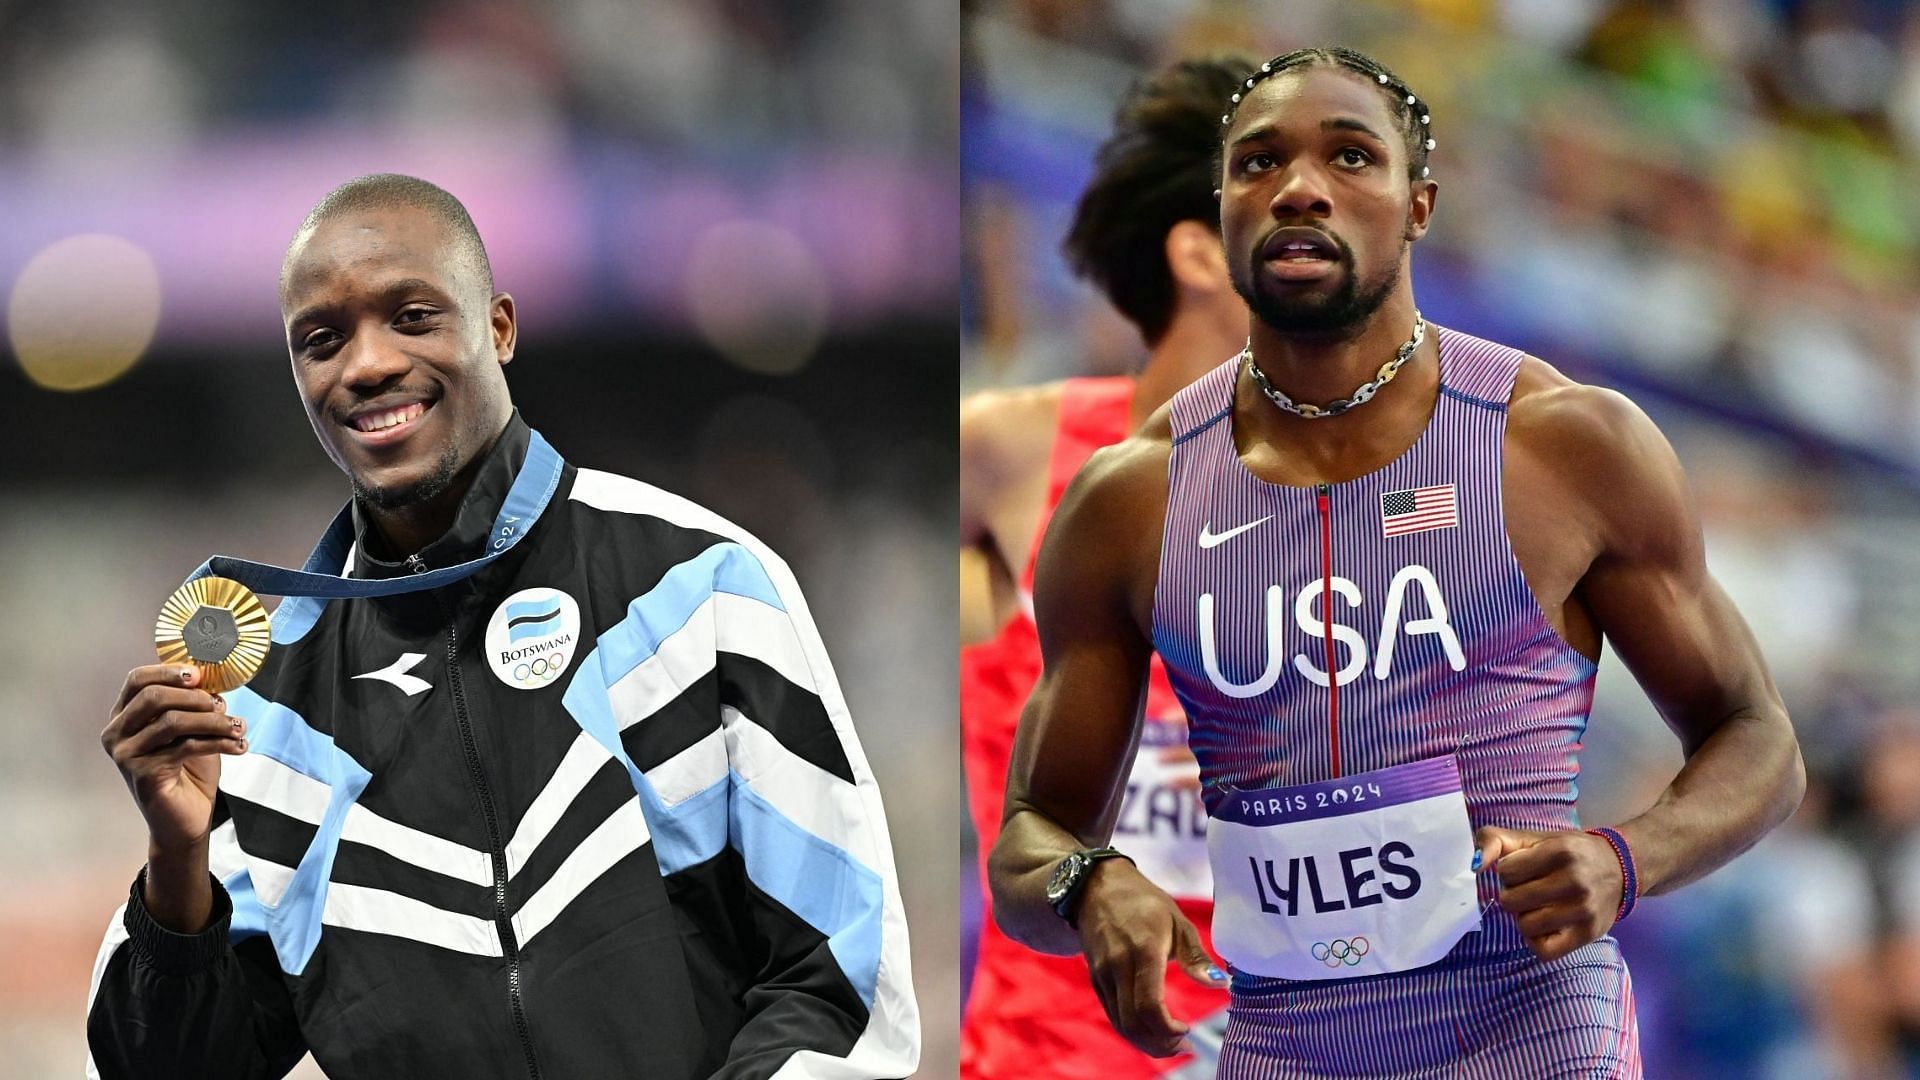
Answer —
(1437, 648)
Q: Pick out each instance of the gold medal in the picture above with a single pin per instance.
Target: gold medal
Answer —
(217, 625)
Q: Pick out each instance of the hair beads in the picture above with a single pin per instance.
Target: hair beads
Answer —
(1415, 124)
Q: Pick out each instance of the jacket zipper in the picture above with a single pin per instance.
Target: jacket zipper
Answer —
(1326, 624)
(496, 851)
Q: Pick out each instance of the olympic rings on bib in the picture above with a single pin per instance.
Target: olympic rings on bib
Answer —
(1346, 951)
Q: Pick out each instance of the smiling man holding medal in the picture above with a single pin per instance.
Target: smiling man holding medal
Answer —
(1378, 559)
(546, 771)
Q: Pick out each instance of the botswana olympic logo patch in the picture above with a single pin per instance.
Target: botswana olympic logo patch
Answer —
(532, 637)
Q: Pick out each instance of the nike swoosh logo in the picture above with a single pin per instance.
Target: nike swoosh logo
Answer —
(396, 673)
(1209, 538)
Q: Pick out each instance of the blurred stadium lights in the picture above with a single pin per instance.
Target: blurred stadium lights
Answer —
(604, 231)
(83, 311)
(758, 295)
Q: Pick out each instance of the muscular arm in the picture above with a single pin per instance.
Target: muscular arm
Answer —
(1093, 600)
(1080, 728)
(1650, 594)
(1602, 472)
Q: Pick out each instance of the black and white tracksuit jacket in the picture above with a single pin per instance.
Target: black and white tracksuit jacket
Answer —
(597, 810)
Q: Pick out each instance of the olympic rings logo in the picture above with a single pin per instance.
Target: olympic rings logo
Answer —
(1340, 951)
(542, 670)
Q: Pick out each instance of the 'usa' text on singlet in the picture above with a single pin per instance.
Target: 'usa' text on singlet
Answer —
(1396, 619)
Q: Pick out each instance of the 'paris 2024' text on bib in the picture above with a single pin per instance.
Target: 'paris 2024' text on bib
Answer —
(1362, 875)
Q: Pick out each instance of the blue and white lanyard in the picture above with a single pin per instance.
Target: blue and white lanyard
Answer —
(320, 578)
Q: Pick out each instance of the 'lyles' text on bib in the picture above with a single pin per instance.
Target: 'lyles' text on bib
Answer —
(1363, 875)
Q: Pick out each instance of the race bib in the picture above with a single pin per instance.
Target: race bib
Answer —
(1364, 875)
(1163, 824)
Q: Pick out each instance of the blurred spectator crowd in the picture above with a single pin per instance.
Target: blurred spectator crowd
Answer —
(1718, 191)
(815, 73)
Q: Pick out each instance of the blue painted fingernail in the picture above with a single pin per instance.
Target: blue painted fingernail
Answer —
(1476, 859)
(1216, 974)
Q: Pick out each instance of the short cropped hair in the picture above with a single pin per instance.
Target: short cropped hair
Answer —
(388, 191)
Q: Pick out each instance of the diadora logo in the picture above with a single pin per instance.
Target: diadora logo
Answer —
(396, 674)
(1314, 624)
(1348, 951)
(532, 637)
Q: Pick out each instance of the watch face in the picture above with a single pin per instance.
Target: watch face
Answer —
(1063, 878)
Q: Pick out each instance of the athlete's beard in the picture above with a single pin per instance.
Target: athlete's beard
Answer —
(1338, 314)
(425, 489)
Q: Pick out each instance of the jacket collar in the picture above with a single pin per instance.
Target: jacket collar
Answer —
(471, 523)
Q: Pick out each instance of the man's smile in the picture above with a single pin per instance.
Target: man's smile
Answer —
(382, 424)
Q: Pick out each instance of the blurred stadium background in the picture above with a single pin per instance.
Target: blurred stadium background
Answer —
(1710, 205)
(730, 228)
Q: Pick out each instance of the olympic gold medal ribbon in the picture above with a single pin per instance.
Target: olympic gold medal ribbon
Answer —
(218, 626)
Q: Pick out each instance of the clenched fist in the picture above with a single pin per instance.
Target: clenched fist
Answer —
(1562, 888)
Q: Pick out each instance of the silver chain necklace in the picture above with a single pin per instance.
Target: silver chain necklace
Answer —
(1359, 397)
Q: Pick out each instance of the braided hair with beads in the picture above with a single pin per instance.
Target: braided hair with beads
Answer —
(1409, 112)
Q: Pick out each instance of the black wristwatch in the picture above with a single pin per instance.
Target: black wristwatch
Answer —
(1071, 876)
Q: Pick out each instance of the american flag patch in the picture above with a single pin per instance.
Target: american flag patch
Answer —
(1418, 510)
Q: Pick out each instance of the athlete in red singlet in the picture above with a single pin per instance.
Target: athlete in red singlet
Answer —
(1145, 232)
